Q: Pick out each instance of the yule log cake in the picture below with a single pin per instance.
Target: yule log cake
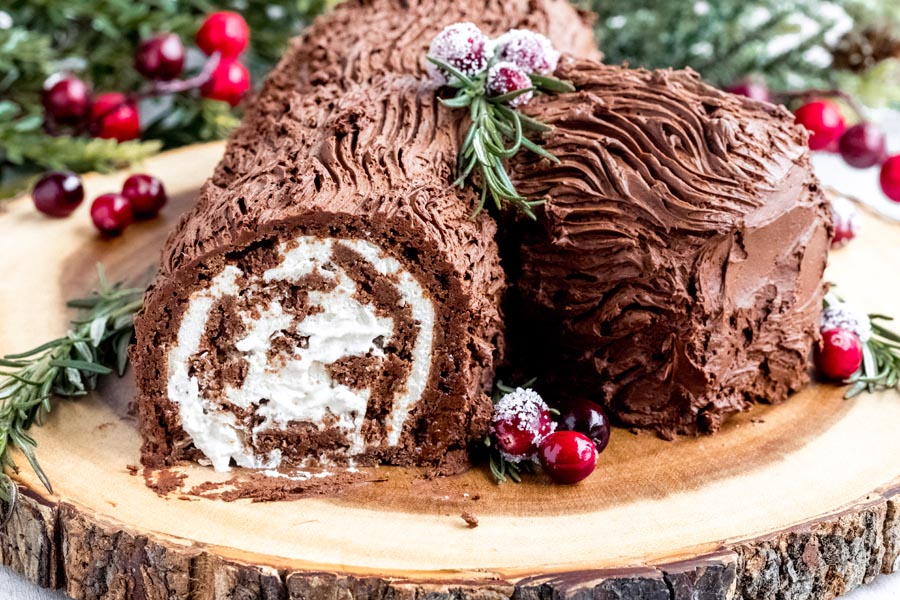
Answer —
(676, 272)
(330, 300)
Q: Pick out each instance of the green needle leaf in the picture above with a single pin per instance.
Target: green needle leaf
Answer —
(69, 366)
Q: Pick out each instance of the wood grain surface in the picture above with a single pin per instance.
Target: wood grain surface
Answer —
(800, 500)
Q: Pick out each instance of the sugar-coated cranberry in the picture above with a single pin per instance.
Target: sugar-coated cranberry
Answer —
(224, 32)
(115, 116)
(111, 214)
(530, 50)
(863, 146)
(67, 100)
(521, 420)
(824, 121)
(568, 456)
(846, 221)
(58, 194)
(588, 418)
(507, 77)
(228, 82)
(146, 194)
(462, 46)
(160, 57)
(839, 355)
(751, 89)
(890, 177)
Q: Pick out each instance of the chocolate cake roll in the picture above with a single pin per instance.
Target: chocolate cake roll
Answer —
(330, 300)
(675, 273)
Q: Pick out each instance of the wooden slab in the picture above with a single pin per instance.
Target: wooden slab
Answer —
(800, 500)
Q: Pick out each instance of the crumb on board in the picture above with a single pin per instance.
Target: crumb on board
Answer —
(470, 519)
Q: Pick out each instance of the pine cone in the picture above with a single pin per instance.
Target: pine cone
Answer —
(858, 51)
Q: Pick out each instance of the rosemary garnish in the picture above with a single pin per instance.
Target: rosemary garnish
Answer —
(881, 360)
(70, 366)
(496, 133)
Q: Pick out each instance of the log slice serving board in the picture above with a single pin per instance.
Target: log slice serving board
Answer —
(800, 500)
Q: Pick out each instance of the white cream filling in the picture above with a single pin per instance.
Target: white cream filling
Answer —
(301, 389)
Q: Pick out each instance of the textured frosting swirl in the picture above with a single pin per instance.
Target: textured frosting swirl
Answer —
(676, 272)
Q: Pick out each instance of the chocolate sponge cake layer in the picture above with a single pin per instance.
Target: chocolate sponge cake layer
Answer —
(676, 271)
(330, 299)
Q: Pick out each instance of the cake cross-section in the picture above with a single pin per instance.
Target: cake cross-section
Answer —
(331, 300)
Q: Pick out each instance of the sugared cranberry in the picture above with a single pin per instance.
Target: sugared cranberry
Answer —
(66, 100)
(521, 420)
(846, 221)
(588, 418)
(863, 146)
(146, 195)
(824, 121)
(890, 178)
(568, 456)
(114, 116)
(58, 194)
(229, 82)
(751, 89)
(462, 46)
(224, 32)
(160, 57)
(529, 50)
(505, 78)
(846, 317)
(111, 214)
(840, 354)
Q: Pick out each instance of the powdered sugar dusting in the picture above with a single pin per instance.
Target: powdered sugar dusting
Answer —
(461, 45)
(841, 315)
(531, 51)
(846, 220)
(527, 410)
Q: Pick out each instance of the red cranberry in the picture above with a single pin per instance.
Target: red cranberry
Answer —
(846, 221)
(160, 57)
(58, 194)
(568, 456)
(840, 354)
(863, 146)
(462, 46)
(111, 214)
(890, 178)
(146, 195)
(228, 82)
(67, 100)
(751, 89)
(824, 121)
(114, 116)
(505, 78)
(588, 418)
(223, 32)
(521, 420)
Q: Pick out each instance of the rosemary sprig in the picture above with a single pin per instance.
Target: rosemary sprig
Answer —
(496, 133)
(881, 360)
(70, 366)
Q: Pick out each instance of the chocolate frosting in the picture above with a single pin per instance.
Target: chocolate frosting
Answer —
(676, 270)
(347, 139)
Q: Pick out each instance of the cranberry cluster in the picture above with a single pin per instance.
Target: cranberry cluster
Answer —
(142, 196)
(509, 61)
(523, 429)
(70, 105)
